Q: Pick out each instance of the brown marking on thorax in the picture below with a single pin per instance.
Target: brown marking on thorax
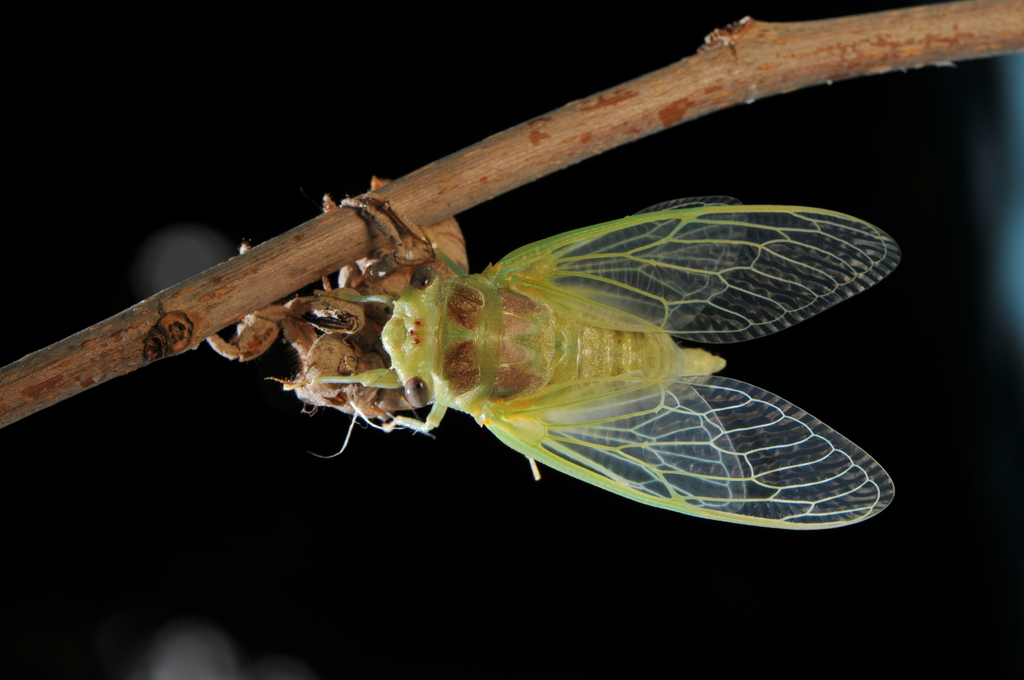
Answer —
(461, 368)
(464, 306)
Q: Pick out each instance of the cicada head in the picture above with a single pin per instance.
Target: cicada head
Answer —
(411, 336)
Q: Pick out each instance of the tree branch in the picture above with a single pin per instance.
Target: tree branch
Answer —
(749, 60)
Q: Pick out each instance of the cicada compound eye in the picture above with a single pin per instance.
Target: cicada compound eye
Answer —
(416, 391)
(422, 277)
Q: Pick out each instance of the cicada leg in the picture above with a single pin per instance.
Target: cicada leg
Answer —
(437, 412)
(386, 378)
(533, 468)
(387, 221)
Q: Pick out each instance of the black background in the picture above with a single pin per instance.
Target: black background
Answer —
(185, 489)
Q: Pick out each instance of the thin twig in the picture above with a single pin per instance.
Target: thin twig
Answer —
(746, 61)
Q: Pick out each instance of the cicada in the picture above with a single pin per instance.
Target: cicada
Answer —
(566, 350)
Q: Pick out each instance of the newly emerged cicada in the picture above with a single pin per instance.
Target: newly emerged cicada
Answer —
(565, 350)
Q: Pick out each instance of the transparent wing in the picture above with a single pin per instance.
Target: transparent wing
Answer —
(711, 273)
(704, 445)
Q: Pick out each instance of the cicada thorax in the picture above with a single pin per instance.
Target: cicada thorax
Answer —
(505, 345)
(493, 343)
